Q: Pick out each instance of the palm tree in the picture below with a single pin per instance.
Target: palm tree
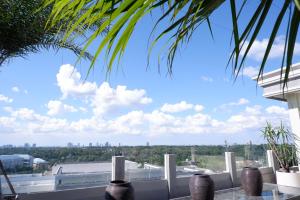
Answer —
(183, 17)
(22, 30)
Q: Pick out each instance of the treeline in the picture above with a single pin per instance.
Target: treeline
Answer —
(140, 154)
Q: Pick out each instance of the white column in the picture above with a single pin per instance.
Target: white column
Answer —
(294, 112)
(170, 173)
(272, 161)
(118, 168)
(231, 167)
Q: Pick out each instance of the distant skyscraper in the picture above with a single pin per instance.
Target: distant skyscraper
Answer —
(107, 144)
(33, 145)
(70, 144)
(90, 144)
(147, 144)
(27, 145)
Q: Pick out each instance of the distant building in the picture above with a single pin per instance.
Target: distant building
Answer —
(39, 163)
(27, 159)
(11, 161)
(33, 145)
(90, 144)
(16, 160)
(147, 144)
(70, 144)
(27, 145)
(107, 144)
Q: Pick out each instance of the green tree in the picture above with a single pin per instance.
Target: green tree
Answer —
(22, 30)
(183, 18)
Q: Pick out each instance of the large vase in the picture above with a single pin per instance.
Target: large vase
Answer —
(201, 187)
(251, 181)
(119, 190)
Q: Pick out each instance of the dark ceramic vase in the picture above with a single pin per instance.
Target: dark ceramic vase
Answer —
(201, 187)
(119, 190)
(251, 180)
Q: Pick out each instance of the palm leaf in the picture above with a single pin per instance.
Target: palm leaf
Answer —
(183, 17)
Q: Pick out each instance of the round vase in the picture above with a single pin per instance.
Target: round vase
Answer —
(119, 190)
(251, 181)
(201, 187)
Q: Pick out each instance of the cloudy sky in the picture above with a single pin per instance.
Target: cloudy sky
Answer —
(46, 99)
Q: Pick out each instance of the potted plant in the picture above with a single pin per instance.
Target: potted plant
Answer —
(283, 144)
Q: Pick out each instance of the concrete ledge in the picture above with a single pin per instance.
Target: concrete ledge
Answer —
(94, 193)
(151, 190)
(144, 190)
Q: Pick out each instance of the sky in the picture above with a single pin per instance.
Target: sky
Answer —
(48, 100)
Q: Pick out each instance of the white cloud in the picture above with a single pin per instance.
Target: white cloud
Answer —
(259, 46)
(250, 71)
(138, 122)
(228, 106)
(70, 83)
(276, 110)
(198, 108)
(103, 98)
(25, 114)
(57, 107)
(207, 79)
(27, 119)
(178, 107)
(15, 89)
(82, 109)
(5, 99)
(108, 98)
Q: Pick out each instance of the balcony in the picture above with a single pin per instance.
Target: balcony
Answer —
(156, 186)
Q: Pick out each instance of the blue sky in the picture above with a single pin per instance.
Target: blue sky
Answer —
(46, 100)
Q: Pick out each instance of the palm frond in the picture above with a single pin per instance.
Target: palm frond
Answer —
(183, 18)
(22, 30)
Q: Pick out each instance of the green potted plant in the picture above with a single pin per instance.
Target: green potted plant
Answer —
(283, 144)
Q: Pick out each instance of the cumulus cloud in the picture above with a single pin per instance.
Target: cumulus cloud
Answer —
(70, 83)
(5, 99)
(108, 98)
(103, 98)
(276, 110)
(207, 79)
(15, 89)
(27, 119)
(133, 120)
(250, 71)
(138, 122)
(198, 108)
(57, 107)
(227, 106)
(178, 107)
(259, 46)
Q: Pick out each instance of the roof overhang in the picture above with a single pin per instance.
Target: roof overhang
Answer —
(272, 83)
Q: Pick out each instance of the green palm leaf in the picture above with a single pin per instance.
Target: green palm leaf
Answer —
(183, 17)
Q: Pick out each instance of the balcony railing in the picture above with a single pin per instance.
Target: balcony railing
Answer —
(165, 184)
